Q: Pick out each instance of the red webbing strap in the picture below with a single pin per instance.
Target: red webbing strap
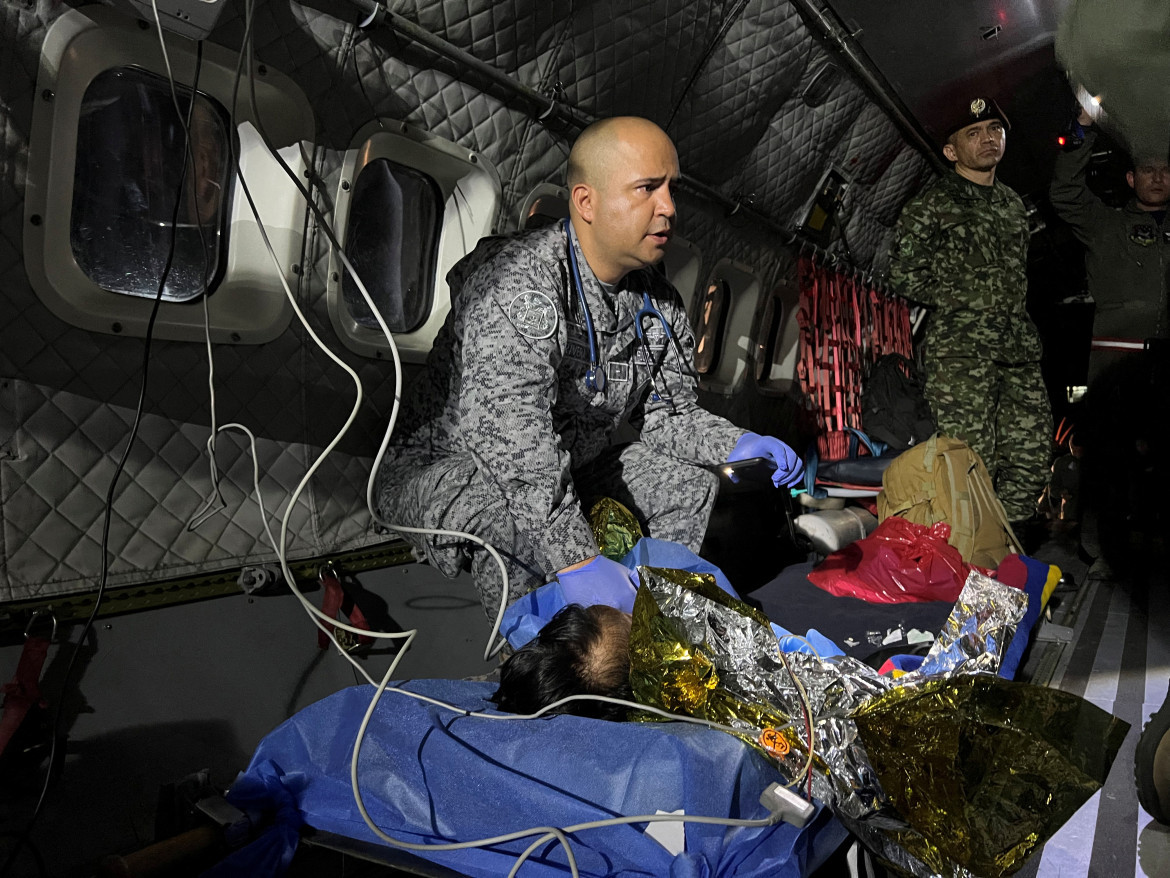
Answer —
(335, 602)
(845, 324)
(808, 318)
(24, 690)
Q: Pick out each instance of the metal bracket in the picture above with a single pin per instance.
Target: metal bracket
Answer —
(1050, 632)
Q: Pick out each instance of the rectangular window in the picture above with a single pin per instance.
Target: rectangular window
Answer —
(712, 323)
(392, 240)
(132, 166)
(768, 346)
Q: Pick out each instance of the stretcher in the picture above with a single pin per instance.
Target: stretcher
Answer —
(429, 775)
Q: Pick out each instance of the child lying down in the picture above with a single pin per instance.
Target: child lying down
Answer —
(899, 755)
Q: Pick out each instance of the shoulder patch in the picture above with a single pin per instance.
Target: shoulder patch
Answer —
(533, 314)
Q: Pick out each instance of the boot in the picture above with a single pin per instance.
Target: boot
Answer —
(1151, 765)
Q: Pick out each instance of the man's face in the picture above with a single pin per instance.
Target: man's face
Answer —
(1151, 183)
(977, 147)
(633, 207)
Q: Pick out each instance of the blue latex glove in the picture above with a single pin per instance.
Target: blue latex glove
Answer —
(789, 467)
(601, 581)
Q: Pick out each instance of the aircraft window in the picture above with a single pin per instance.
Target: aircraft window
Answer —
(769, 343)
(546, 210)
(131, 163)
(711, 324)
(682, 265)
(409, 206)
(392, 240)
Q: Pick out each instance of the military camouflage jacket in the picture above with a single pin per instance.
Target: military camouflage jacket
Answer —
(505, 382)
(961, 249)
(1127, 256)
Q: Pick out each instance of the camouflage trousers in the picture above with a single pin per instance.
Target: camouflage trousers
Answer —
(1002, 411)
(671, 499)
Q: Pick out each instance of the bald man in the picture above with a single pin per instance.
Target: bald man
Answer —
(508, 434)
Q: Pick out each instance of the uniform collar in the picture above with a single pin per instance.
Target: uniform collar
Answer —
(965, 189)
(1131, 207)
(601, 303)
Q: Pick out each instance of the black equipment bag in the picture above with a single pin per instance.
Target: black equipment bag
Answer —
(894, 409)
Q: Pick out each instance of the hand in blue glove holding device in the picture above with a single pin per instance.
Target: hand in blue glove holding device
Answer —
(789, 467)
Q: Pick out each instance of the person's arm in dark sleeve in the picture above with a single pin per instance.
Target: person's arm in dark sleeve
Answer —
(1069, 191)
(912, 253)
(506, 402)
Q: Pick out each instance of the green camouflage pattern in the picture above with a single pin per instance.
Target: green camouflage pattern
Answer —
(1003, 412)
(961, 250)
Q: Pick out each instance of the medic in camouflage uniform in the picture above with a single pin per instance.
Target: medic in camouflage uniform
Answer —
(503, 437)
(961, 250)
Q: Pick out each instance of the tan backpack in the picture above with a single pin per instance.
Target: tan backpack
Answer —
(942, 479)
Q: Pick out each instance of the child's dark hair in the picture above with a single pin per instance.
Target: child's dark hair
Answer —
(581, 651)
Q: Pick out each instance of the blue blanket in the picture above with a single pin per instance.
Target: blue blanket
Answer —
(429, 775)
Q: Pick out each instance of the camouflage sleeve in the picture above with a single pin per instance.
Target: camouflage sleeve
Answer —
(687, 431)
(912, 253)
(509, 387)
(1070, 195)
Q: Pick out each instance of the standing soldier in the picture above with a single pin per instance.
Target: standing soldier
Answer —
(1127, 264)
(1127, 249)
(961, 250)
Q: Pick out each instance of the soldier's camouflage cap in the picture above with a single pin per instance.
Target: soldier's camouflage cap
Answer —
(976, 110)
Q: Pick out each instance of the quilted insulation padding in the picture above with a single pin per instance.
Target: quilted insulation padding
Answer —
(724, 78)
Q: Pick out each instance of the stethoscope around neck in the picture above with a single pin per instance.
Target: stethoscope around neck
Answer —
(595, 375)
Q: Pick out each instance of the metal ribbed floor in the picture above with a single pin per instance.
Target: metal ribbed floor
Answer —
(1119, 660)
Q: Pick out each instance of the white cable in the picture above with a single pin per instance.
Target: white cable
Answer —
(802, 694)
(214, 502)
(255, 475)
(544, 832)
(326, 624)
(489, 650)
(806, 642)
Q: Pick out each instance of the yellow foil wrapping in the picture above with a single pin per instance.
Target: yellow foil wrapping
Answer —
(614, 527)
(984, 768)
(675, 669)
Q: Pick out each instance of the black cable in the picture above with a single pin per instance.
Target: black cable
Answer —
(712, 45)
(25, 837)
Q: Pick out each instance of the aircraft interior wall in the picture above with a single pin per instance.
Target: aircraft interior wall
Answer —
(759, 107)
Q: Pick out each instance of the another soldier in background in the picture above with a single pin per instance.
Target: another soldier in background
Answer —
(961, 249)
(1127, 264)
(1127, 249)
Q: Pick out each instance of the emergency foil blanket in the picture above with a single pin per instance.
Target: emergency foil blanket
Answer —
(985, 768)
(614, 527)
(695, 650)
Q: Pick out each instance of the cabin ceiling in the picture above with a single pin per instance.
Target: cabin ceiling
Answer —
(937, 56)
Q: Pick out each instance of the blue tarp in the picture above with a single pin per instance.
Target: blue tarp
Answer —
(430, 775)
(529, 613)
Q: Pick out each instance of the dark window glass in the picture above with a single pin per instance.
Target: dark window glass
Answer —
(768, 345)
(132, 160)
(546, 210)
(712, 319)
(393, 242)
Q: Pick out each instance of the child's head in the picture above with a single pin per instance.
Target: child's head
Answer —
(582, 651)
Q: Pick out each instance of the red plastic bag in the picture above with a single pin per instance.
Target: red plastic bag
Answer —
(898, 563)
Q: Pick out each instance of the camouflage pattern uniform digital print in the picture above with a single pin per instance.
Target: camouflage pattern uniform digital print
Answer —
(961, 250)
(502, 438)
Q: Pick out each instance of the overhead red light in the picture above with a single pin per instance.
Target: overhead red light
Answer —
(1060, 141)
